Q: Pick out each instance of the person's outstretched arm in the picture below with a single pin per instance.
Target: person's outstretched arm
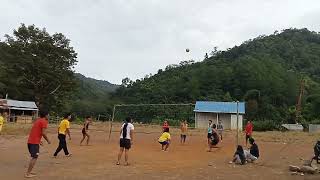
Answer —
(68, 132)
(44, 135)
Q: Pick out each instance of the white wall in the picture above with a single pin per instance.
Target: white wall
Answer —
(234, 122)
(202, 119)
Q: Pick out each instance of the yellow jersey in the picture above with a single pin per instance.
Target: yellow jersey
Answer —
(164, 137)
(64, 125)
(1, 120)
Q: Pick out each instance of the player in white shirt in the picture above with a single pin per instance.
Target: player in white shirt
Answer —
(126, 140)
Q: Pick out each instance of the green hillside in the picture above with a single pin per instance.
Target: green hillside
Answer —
(265, 72)
(91, 97)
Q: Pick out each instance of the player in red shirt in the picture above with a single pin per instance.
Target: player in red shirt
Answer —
(38, 131)
(248, 131)
(165, 125)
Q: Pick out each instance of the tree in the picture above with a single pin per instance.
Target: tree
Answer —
(38, 66)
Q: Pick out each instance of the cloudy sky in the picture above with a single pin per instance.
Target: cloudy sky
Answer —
(115, 39)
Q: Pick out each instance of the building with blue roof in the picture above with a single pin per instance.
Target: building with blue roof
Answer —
(225, 112)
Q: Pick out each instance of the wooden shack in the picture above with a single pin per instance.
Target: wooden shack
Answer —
(19, 111)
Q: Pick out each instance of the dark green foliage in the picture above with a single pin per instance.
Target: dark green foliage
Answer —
(37, 66)
(267, 125)
(156, 114)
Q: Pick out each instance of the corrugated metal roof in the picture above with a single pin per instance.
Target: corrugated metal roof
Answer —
(14, 104)
(219, 107)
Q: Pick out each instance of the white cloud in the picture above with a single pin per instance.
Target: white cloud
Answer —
(132, 38)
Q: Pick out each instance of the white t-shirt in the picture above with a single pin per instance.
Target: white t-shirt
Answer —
(129, 128)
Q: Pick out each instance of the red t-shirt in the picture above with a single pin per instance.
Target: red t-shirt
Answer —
(249, 129)
(36, 131)
(165, 125)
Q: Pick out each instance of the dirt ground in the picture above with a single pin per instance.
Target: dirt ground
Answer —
(189, 161)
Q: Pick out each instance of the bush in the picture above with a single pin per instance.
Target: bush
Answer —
(266, 125)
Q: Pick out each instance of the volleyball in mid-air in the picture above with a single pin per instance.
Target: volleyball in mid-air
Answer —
(187, 50)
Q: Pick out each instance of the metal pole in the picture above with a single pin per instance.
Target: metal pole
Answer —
(237, 123)
(114, 109)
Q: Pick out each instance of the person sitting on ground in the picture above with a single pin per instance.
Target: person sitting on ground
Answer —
(316, 153)
(214, 138)
(165, 139)
(253, 154)
(239, 157)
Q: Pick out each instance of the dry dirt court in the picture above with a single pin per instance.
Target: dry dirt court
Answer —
(190, 161)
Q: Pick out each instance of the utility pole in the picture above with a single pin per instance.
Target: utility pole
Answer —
(299, 99)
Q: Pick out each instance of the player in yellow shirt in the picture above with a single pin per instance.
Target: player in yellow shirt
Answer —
(62, 131)
(1, 121)
(164, 139)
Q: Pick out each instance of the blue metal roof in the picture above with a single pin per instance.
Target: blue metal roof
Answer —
(219, 107)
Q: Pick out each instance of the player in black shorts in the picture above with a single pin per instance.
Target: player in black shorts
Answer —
(214, 137)
(85, 128)
(126, 140)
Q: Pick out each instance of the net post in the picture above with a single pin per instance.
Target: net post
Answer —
(111, 122)
(237, 123)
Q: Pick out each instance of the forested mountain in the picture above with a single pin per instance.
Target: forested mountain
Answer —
(91, 96)
(265, 72)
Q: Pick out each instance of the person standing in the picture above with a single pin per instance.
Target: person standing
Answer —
(220, 129)
(184, 130)
(209, 133)
(85, 129)
(165, 125)
(38, 131)
(64, 128)
(126, 140)
(1, 121)
(248, 131)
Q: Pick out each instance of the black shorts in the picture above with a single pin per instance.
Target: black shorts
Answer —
(33, 150)
(84, 131)
(214, 142)
(164, 142)
(209, 135)
(183, 136)
(248, 137)
(125, 143)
